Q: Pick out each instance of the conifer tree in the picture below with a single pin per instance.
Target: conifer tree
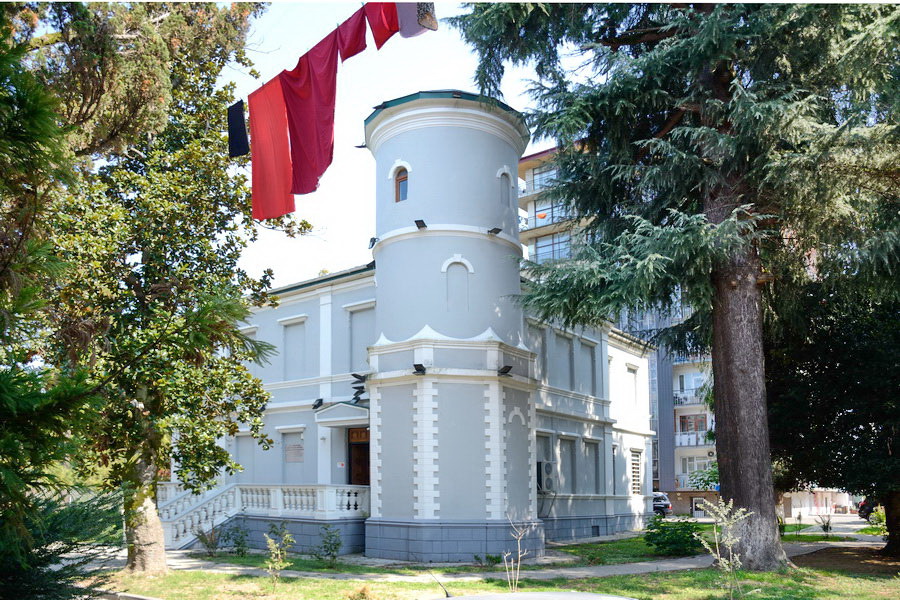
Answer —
(713, 149)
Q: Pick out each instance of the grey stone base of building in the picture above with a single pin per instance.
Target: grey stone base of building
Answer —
(306, 532)
(560, 529)
(447, 541)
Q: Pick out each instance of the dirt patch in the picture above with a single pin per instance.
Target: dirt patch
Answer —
(865, 561)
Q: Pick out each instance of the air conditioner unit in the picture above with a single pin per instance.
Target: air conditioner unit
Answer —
(546, 476)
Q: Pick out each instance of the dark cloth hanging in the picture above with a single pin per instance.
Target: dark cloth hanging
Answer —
(382, 18)
(352, 35)
(309, 95)
(238, 145)
(270, 153)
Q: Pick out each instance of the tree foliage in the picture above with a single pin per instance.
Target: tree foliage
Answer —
(832, 391)
(678, 123)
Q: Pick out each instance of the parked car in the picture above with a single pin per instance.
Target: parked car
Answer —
(865, 508)
(661, 504)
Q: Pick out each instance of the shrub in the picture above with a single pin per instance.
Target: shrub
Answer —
(330, 546)
(675, 538)
(824, 522)
(237, 537)
(878, 520)
(278, 540)
(210, 540)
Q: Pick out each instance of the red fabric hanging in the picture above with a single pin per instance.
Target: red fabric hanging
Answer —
(271, 161)
(309, 95)
(352, 35)
(383, 22)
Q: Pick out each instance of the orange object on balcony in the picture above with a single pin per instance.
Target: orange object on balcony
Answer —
(542, 215)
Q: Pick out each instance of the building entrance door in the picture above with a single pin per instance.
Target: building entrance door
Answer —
(358, 440)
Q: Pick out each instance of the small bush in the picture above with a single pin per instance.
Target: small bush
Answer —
(210, 540)
(278, 540)
(330, 546)
(878, 521)
(824, 522)
(489, 560)
(237, 538)
(673, 538)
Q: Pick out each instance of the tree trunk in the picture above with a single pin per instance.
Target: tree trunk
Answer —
(891, 501)
(143, 529)
(742, 433)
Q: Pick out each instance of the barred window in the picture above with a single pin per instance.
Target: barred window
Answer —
(636, 479)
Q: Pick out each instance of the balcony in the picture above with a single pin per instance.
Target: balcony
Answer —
(692, 438)
(684, 359)
(533, 186)
(688, 397)
(550, 217)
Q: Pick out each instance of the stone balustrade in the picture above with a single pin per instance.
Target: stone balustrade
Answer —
(181, 520)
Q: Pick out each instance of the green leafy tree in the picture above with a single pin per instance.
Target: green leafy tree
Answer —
(833, 409)
(713, 150)
(42, 412)
(706, 479)
(154, 299)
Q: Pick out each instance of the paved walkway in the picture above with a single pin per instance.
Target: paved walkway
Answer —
(182, 560)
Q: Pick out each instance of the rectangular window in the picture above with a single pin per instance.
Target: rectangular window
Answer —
(362, 334)
(544, 451)
(551, 247)
(636, 482)
(295, 351)
(561, 367)
(567, 466)
(592, 467)
(543, 176)
(681, 383)
(293, 447)
(633, 382)
(692, 423)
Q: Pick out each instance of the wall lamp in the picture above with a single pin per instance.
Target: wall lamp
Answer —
(504, 371)
(495, 230)
(372, 242)
(319, 402)
(420, 224)
(358, 377)
(418, 369)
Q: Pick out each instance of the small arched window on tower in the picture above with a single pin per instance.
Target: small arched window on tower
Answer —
(401, 184)
(505, 190)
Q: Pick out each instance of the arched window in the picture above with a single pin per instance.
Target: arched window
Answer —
(457, 288)
(401, 184)
(505, 187)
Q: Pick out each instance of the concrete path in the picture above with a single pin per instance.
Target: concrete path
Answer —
(182, 560)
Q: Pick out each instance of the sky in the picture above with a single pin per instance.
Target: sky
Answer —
(342, 209)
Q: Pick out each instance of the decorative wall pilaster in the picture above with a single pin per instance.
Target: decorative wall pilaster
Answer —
(495, 464)
(425, 452)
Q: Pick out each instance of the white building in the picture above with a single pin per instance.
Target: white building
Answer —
(466, 413)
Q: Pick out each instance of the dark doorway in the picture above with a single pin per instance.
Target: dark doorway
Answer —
(358, 439)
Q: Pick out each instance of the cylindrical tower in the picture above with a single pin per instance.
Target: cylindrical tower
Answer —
(451, 413)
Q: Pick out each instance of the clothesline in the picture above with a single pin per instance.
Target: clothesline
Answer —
(292, 115)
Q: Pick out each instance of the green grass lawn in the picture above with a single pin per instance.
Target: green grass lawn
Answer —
(613, 553)
(701, 584)
(792, 527)
(872, 530)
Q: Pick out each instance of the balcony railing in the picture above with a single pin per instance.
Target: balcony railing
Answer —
(692, 438)
(688, 397)
(557, 216)
(681, 359)
(533, 186)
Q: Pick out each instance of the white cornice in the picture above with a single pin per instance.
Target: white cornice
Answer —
(443, 230)
(439, 114)
(361, 305)
(294, 320)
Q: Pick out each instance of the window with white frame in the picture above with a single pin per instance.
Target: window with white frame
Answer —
(689, 464)
(543, 176)
(544, 449)
(636, 473)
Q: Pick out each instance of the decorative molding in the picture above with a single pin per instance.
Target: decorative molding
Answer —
(436, 115)
(398, 164)
(494, 452)
(375, 466)
(294, 320)
(290, 428)
(426, 504)
(505, 170)
(248, 329)
(457, 258)
(358, 306)
(444, 229)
